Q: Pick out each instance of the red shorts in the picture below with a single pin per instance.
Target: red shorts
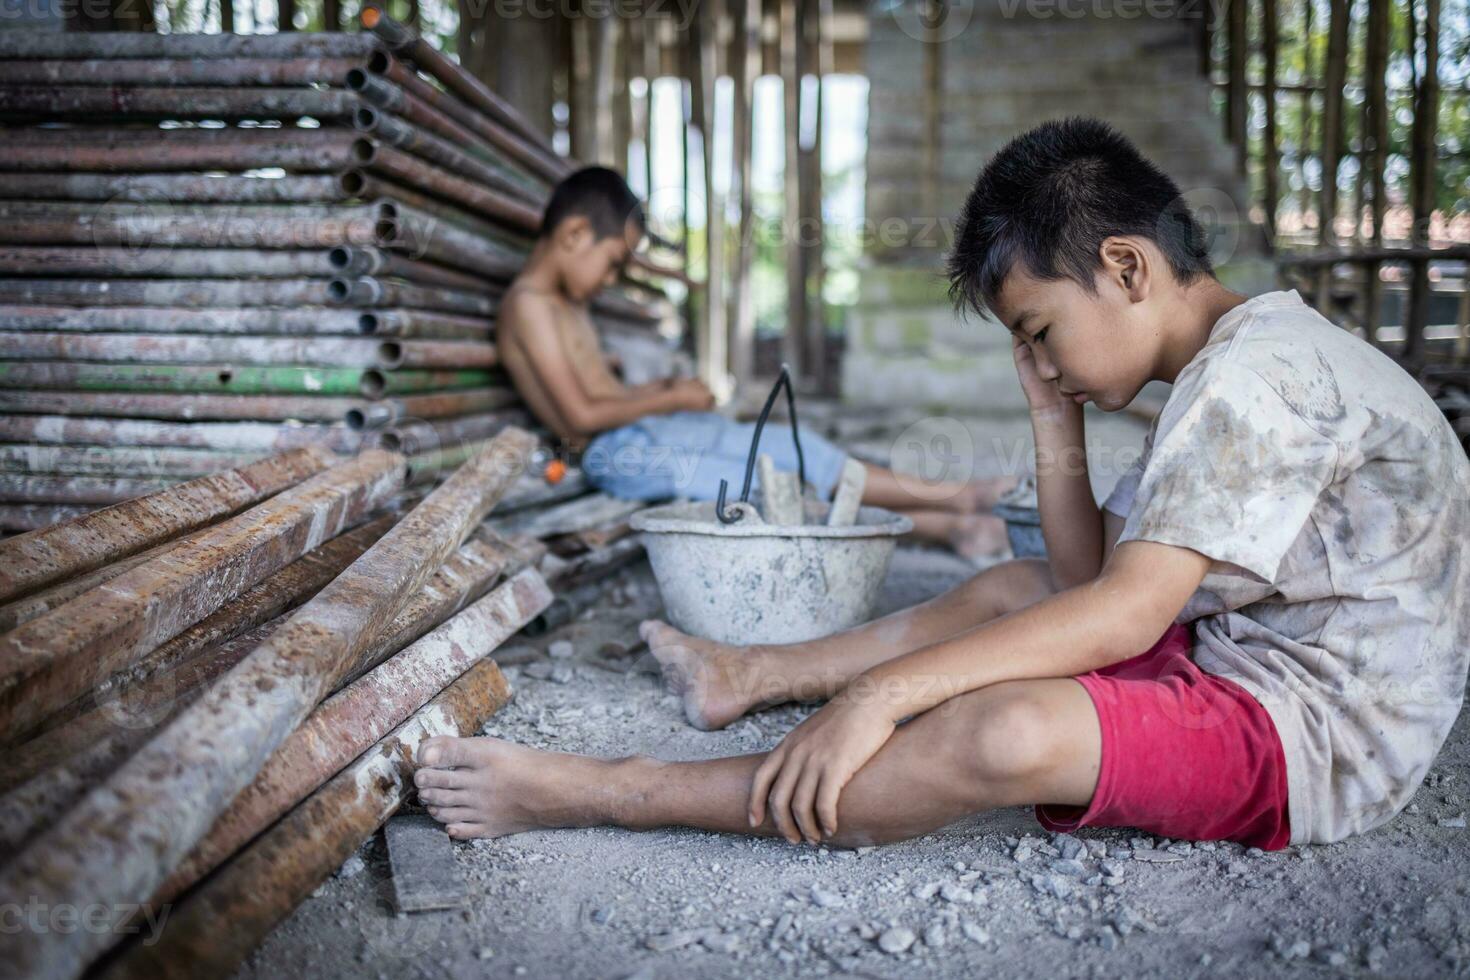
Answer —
(1185, 754)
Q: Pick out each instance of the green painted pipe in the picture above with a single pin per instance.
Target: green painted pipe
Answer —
(249, 379)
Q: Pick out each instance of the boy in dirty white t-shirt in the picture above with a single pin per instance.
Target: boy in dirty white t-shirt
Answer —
(1262, 637)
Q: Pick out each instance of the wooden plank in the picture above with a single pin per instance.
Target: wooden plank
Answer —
(425, 875)
(117, 845)
(32, 561)
(55, 657)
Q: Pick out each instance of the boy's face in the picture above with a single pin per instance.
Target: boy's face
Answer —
(1096, 347)
(590, 264)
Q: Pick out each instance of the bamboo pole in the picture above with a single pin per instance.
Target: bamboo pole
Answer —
(1304, 122)
(1422, 186)
(232, 912)
(116, 845)
(35, 560)
(351, 720)
(1236, 106)
(745, 71)
(58, 430)
(51, 660)
(1271, 165)
(1375, 139)
(715, 359)
(794, 341)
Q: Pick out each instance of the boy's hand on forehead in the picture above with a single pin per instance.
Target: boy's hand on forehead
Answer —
(1044, 397)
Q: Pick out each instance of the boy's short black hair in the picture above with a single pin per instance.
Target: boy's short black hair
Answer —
(598, 194)
(1049, 198)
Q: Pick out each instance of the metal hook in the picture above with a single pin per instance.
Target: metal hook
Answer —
(755, 442)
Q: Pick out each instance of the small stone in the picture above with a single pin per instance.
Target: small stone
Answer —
(825, 898)
(1022, 853)
(484, 953)
(1073, 932)
(1153, 856)
(974, 932)
(1453, 823)
(1182, 848)
(1108, 939)
(1070, 867)
(951, 892)
(1113, 868)
(721, 942)
(867, 849)
(926, 891)
(959, 866)
(896, 940)
(1206, 959)
(866, 931)
(602, 916)
(1254, 852)
(538, 669)
(1069, 846)
(676, 940)
(1413, 808)
(561, 674)
(1332, 957)
(1376, 957)
(352, 867)
(561, 650)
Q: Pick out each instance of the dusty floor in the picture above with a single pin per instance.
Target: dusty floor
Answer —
(993, 895)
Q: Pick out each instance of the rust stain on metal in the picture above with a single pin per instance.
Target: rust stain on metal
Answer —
(52, 659)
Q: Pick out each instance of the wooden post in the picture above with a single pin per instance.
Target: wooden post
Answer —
(1335, 75)
(1271, 165)
(819, 61)
(715, 363)
(1304, 127)
(620, 126)
(651, 71)
(331, 15)
(1236, 103)
(286, 15)
(1375, 150)
(583, 103)
(1422, 185)
(744, 71)
(227, 16)
(793, 345)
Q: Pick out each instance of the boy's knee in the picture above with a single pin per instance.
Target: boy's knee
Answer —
(1014, 736)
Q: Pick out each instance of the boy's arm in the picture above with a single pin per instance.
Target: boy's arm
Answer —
(1071, 521)
(587, 414)
(1109, 619)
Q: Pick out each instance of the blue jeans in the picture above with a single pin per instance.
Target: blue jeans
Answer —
(686, 454)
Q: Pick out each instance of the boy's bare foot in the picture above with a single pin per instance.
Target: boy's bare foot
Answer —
(983, 494)
(485, 787)
(977, 536)
(716, 681)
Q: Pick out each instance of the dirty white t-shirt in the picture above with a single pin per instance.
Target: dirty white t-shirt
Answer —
(1334, 499)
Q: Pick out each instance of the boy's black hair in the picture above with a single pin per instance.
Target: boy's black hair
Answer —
(1049, 198)
(598, 194)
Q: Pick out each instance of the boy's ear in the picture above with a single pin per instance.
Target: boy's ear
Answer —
(1126, 263)
(574, 232)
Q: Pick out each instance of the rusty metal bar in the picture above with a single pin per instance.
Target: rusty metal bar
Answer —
(132, 701)
(368, 261)
(369, 292)
(385, 98)
(126, 223)
(52, 659)
(423, 235)
(166, 292)
(34, 604)
(424, 324)
(177, 71)
(234, 910)
(79, 102)
(35, 560)
(94, 150)
(206, 378)
(31, 517)
(31, 45)
(477, 195)
(403, 41)
(222, 436)
(415, 437)
(117, 845)
(49, 260)
(351, 720)
(413, 139)
(548, 167)
(370, 415)
(174, 188)
(370, 186)
(255, 408)
(142, 348)
(118, 460)
(95, 490)
(301, 321)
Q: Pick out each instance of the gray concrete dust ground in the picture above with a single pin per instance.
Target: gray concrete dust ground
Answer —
(992, 895)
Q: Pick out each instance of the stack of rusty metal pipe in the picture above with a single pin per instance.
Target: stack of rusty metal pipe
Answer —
(210, 696)
(214, 247)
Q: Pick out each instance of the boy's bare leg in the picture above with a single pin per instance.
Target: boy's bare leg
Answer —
(1015, 743)
(969, 535)
(719, 683)
(885, 489)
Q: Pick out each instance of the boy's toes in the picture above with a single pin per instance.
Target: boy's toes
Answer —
(441, 751)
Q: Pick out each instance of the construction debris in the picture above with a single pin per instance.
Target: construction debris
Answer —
(425, 876)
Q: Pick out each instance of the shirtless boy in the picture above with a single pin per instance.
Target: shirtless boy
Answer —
(1288, 555)
(660, 440)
